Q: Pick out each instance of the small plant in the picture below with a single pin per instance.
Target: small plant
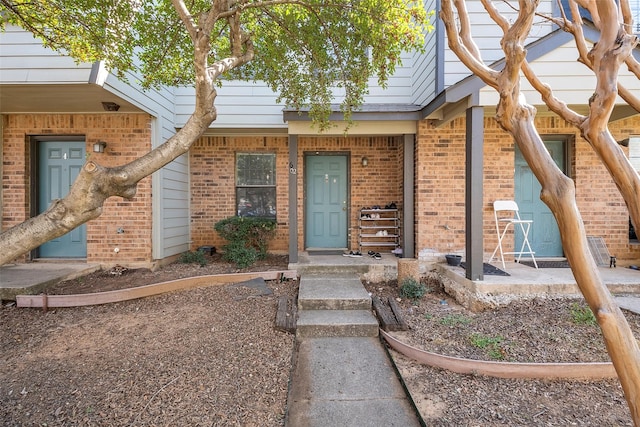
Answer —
(241, 255)
(491, 345)
(454, 320)
(582, 315)
(248, 238)
(412, 289)
(196, 257)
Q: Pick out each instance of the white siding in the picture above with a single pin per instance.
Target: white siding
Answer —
(25, 60)
(571, 81)
(487, 36)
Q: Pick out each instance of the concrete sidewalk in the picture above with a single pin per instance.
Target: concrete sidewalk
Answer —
(342, 374)
(32, 278)
(346, 382)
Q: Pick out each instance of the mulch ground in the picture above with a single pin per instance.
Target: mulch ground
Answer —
(212, 356)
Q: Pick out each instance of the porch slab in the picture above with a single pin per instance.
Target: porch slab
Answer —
(528, 282)
(32, 278)
(368, 268)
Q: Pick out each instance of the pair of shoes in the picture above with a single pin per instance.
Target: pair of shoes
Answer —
(375, 255)
(365, 209)
(391, 205)
(382, 233)
(353, 254)
(375, 216)
(375, 207)
(365, 216)
(397, 251)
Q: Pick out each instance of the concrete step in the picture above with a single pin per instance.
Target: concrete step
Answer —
(332, 292)
(336, 323)
(305, 269)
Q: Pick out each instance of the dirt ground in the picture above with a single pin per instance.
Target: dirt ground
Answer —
(211, 357)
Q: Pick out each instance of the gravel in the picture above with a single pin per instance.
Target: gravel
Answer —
(212, 357)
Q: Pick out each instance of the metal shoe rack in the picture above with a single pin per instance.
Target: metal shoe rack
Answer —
(378, 228)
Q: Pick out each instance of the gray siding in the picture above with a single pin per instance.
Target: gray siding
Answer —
(249, 105)
(25, 60)
(425, 65)
(487, 35)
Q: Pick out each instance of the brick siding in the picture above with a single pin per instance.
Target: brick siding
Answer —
(128, 136)
(440, 184)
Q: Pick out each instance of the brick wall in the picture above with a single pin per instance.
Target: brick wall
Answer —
(440, 184)
(128, 136)
(212, 165)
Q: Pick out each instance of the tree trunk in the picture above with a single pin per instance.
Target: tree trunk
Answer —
(558, 191)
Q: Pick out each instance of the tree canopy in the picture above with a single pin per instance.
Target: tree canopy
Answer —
(303, 49)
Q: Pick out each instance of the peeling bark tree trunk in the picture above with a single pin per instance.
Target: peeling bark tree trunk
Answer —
(558, 191)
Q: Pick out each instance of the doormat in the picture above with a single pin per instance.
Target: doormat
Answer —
(547, 264)
(331, 252)
(489, 270)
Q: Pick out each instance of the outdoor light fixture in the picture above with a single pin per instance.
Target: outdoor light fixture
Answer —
(99, 147)
(110, 106)
(365, 161)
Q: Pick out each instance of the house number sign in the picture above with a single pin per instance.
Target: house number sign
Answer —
(292, 169)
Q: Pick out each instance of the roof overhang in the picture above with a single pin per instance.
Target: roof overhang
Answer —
(59, 98)
(456, 99)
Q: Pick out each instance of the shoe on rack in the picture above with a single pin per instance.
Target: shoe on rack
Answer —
(379, 233)
(385, 232)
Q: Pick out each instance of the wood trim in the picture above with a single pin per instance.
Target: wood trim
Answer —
(596, 370)
(78, 300)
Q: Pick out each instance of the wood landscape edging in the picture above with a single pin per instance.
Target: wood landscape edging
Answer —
(77, 300)
(591, 371)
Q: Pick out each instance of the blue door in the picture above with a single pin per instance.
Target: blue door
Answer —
(326, 202)
(59, 163)
(544, 235)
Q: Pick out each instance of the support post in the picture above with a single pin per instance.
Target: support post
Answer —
(293, 198)
(408, 214)
(473, 193)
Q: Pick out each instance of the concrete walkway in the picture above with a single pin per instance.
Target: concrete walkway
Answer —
(32, 278)
(342, 374)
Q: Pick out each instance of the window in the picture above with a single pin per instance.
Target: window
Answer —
(256, 185)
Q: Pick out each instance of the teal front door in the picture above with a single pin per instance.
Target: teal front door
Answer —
(59, 163)
(545, 235)
(326, 202)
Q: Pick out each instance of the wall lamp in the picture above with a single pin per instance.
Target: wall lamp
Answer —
(365, 161)
(99, 147)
